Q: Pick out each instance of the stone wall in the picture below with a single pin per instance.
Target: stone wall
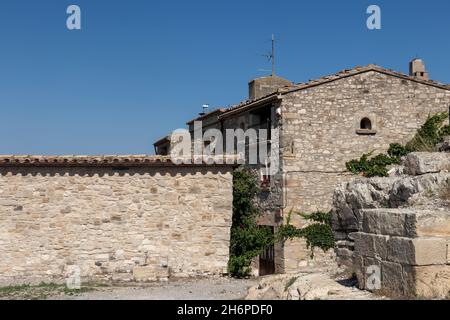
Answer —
(320, 131)
(113, 223)
(420, 191)
(410, 249)
(399, 225)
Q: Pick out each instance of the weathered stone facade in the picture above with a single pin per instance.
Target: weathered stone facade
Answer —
(116, 221)
(320, 130)
(323, 124)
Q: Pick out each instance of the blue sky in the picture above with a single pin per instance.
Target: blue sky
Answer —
(140, 68)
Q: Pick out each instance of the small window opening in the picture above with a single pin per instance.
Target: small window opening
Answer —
(366, 124)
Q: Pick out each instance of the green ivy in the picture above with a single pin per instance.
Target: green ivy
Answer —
(318, 235)
(430, 134)
(426, 138)
(247, 238)
(371, 167)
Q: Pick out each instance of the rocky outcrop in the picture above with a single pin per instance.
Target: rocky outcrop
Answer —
(394, 192)
(444, 146)
(303, 286)
(398, 227)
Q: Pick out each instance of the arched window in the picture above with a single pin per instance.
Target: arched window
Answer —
(366, 124)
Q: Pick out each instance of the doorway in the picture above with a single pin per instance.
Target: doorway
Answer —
(267, 258)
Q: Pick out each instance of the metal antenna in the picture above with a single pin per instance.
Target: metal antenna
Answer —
(271, 56)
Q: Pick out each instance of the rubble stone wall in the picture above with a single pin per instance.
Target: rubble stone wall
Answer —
(320, 131)
(113, 224)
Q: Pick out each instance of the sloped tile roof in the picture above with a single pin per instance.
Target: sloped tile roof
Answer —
(330, 78)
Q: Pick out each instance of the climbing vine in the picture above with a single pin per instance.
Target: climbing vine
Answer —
(426, 138)
(318, 234)
(248, 239)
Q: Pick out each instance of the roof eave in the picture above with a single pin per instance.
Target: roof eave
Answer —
(251, 105)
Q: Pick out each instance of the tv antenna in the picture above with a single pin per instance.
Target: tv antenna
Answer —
(271, 56)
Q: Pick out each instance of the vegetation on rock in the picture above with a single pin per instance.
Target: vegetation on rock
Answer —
(425, 140)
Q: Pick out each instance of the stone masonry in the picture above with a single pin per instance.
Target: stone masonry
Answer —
(401, 225)
(112, 219)
(410, 248)
(324, 123)
(321, 132)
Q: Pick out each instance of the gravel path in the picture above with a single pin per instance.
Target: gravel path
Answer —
(183, 289)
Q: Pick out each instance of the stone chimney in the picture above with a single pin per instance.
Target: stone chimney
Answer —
(261, 87)
(417, 69)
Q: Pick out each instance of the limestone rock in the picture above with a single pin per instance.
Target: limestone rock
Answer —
(351, 198)
(314, 286)
(407, 222)
(432, 281)
(444, 146)
(421, 251)
(418, 163)
(371, 245)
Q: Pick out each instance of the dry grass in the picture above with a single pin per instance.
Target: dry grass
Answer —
(39, 292)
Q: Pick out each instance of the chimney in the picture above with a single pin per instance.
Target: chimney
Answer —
(417, 69)
(264, 86)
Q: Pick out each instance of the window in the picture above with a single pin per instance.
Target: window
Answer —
(366, 124)
(366, 127)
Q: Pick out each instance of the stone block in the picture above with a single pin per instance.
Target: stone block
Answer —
(448, 252)
(385, 222)
(432, 223)
(419, 163)
(370, 266)
(359, 270)
(150, 273)
(417, 252)
(392, 279)
(8, 202)
(406, 222)
(432, 282)
(370, 245)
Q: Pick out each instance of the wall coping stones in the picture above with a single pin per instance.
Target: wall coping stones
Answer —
(102, 161)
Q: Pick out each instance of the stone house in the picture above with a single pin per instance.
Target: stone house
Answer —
(322, 124)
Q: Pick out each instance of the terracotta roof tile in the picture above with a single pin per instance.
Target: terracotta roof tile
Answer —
(88, 161)
(329, 78)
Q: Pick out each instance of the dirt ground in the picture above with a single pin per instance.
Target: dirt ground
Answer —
(183, 289)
